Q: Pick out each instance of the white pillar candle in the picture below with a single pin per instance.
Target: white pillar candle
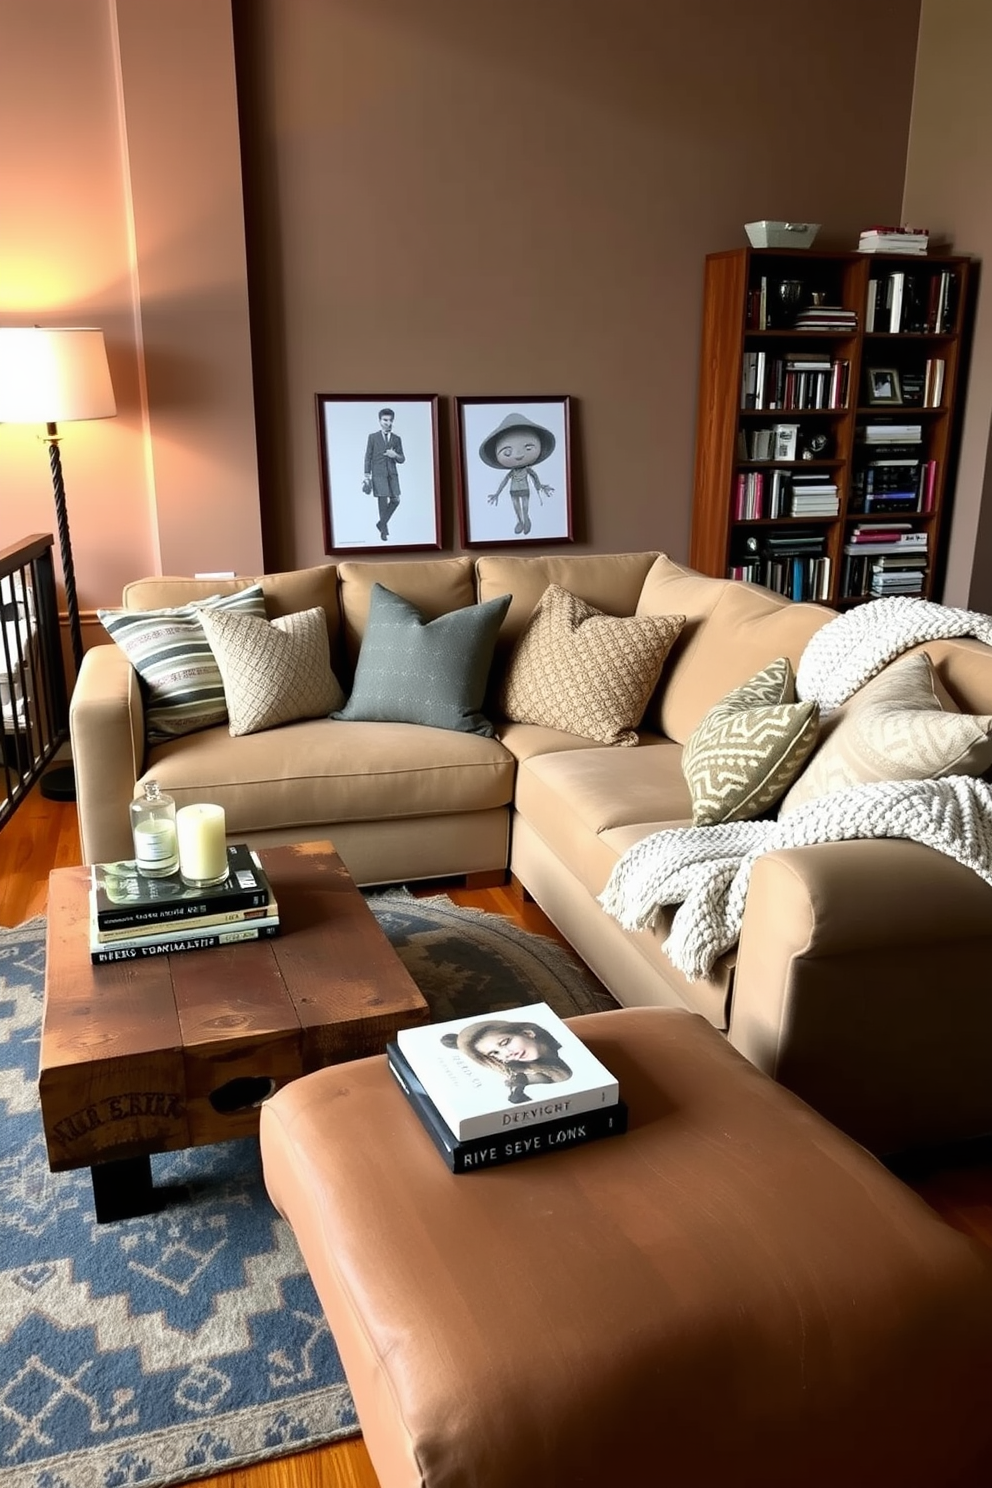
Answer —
(201, 830)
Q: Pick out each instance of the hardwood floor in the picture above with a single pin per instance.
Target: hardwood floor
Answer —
(42, 835)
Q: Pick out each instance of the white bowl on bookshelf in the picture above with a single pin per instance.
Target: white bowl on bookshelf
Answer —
(781, 234)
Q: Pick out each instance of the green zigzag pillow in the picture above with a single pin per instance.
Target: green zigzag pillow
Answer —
(749, 748)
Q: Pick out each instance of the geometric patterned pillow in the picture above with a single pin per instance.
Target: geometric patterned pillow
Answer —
(181, 683)
(749, 748)
(274, 672)
(575, 669)
(897, 727)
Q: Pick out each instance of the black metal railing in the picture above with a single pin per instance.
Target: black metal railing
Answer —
(34, 707)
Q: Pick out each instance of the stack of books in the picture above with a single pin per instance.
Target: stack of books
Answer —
(826, 318)
(912, 240)
(505, 1086)
(132, 916)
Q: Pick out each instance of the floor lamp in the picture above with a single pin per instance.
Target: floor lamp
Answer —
(54, 376)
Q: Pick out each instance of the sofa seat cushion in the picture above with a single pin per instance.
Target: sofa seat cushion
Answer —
(603, 788)
(524, 740)
(323, 771)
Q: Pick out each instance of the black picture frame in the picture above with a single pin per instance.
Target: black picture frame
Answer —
(369, 504)
(491, 513)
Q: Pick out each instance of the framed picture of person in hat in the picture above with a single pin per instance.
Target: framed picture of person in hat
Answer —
(513, 470)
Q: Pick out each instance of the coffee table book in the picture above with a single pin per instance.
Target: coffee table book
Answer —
(180, 938)
(528, 1069)
(228, 918)
(477, 1153)
(125, 898)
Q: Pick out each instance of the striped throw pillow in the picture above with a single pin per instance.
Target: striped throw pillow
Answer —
(181, 681)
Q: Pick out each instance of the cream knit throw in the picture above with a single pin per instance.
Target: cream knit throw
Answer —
(706, 870)
(845, 653)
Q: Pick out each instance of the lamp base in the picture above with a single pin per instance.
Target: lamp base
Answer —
(58, 784)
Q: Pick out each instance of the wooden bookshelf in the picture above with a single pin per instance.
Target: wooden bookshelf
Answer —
(846, 349)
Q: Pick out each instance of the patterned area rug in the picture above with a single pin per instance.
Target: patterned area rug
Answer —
(191, 1341)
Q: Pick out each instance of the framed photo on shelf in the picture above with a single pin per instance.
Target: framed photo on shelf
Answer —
(514, 470)
(884, 385)
(379, 471)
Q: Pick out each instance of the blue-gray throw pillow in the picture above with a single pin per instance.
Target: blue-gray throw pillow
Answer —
(434, 672)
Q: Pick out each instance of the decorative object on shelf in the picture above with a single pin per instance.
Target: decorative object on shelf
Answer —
(766, 234)
(53, 375)
(514, 467)
(882, 385)
(379, 471)
(201, 830)
(791, 293)
(153, 829)
(815, 446)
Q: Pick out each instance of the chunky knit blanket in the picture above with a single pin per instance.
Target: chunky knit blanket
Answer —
(706, 870)
(848, 651)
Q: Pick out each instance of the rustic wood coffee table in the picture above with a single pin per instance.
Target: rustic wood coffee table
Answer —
(177, 1051)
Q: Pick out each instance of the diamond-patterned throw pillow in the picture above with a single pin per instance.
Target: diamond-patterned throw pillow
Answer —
(576, 669)
(896, 727)
(749, 748)
(182, 686)
(274, 671)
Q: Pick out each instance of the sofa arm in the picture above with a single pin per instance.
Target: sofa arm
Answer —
(107, 730)
(862, 983)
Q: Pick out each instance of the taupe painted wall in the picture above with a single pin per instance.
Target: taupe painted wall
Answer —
(948, 189)
(465, 199)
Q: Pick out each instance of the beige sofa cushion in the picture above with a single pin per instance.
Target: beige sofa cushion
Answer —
(732, 630)
(274, 671)
(434, 585)
(284, 593)
(576, 669)
(895, 728)
(318, 772)
(749, 748)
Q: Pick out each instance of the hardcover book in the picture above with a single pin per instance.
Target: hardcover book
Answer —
(476, 1153)
(228, 918)
(124, 897)
(506, 1072)
(193, 939)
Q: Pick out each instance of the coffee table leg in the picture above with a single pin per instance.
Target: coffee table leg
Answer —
(124, 1190)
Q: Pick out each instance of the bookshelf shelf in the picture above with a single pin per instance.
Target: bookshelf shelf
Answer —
(814, 433)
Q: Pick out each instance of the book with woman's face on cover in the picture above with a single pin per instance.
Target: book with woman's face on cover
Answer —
(506, 1071)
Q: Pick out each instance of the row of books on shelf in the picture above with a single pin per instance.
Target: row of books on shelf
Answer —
(906, 303)
(899, 482)
(502, 1087)
(784, 493)
(793, 562)
(132, 916)
(799, 381)
(875, 575)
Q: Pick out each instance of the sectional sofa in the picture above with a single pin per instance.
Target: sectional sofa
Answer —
(860, 980)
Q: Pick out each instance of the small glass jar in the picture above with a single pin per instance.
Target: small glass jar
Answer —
(153, 828)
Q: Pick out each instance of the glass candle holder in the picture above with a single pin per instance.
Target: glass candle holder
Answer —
(153, 830)
(202, 833)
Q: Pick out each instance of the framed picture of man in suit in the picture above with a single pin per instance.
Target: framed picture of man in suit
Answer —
(379, 471)
(513, 470)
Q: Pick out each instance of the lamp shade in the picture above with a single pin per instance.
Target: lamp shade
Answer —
(51, 376)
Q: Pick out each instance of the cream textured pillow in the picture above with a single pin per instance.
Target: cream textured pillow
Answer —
(274, 671)
(895, 728)
(576, 669)
(749, 748)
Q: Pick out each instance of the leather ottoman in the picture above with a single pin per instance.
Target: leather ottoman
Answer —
(731, 1293)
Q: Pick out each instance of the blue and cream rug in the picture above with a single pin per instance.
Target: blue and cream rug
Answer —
(191, 1341)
